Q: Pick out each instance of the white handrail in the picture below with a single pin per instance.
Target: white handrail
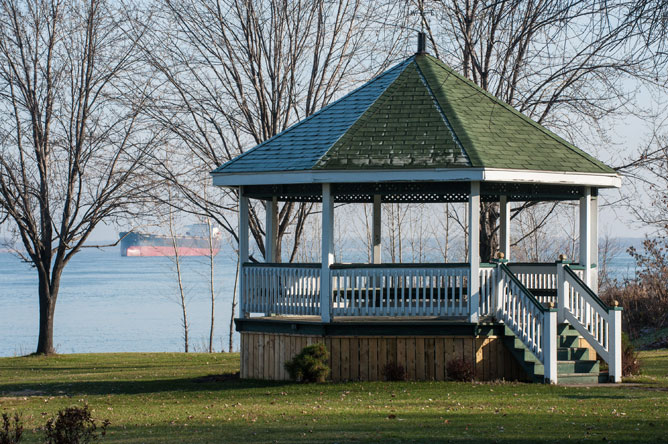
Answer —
(287, 290)
(599, 324)
(521, 312)
(399, 291)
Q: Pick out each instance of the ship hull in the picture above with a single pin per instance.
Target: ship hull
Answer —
(137, 251)
(146, 245)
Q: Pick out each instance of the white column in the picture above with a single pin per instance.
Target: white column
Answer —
(585, 234)
(375, 235)
(615, 342)
(550, 345)
(474, 251)
(243, 250)
(271, 231)
(593, 246)
(327, 252)
(504, 226)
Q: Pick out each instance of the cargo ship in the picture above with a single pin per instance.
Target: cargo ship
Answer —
(195, 242)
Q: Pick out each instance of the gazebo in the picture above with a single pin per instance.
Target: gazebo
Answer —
(420, 132)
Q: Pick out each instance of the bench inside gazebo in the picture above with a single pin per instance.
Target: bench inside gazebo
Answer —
(420, 132)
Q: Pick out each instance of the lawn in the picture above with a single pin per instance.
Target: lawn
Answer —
(157, 398)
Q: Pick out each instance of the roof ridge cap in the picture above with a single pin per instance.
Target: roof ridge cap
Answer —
(308, 118)
(525, 118)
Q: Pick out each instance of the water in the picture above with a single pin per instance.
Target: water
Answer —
(109, 303)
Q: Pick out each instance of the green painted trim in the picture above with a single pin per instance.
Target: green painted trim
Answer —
(369, 328)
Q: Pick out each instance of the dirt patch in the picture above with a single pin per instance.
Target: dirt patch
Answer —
(218, 378)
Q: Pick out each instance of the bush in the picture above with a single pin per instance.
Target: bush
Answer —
(394, 372)
(74, 425)
(310, 365)
(11, 432)
(645, 297)
(461, 370)
(630, 362)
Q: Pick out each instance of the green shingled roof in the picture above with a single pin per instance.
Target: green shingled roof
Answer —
(420, 114)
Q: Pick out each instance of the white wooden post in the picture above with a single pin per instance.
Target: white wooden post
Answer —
(585, 235)
(504, 226)
(243, 250)
(615, 343)
(593, 245)
(550, 345)
(327, 252)
(271, 231)
(562, 300)
(500, 286)
(375, 235)
(474, 251)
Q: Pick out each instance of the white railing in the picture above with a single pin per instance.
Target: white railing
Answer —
(520, 311)
(540, 279)
(487, 290)
(400, 290)
(593, 319)
(288, 289)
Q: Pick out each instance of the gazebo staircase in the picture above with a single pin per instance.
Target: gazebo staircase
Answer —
(574, 363)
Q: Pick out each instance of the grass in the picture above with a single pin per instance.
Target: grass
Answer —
(154, 398)
(648, 338)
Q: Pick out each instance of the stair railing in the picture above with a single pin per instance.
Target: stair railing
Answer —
(598, 323)
(533, 324)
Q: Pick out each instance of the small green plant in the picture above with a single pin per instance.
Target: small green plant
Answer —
(394, 372)
(310, 365)
(11, 431)
(74, 425)
(630, 362)
(460, 369)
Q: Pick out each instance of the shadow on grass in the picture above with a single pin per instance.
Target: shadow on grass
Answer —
(405, 428)
(221, 382)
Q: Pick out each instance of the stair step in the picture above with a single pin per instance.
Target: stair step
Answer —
(569, 341)
(572, 353)
(567, 330)
(579, 367)
(578, 378)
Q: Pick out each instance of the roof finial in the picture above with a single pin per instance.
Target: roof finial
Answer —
(422, 43)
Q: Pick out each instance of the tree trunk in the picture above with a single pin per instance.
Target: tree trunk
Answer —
(47, 309)
(489, 240)
(234, 307)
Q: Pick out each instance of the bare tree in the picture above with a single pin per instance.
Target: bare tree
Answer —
(235, 73)
(213, 249)
(179, 279)
(71, 141)
(564, 63)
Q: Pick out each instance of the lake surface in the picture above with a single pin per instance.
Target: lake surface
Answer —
(109, 303)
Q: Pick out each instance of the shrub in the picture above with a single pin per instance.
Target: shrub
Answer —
(460, 370)
(11, 432)
(394, 372)
(74, 425)
(645, 297)
(310, 365)
(630, 362)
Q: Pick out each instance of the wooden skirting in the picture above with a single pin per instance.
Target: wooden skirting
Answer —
(362, 358)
